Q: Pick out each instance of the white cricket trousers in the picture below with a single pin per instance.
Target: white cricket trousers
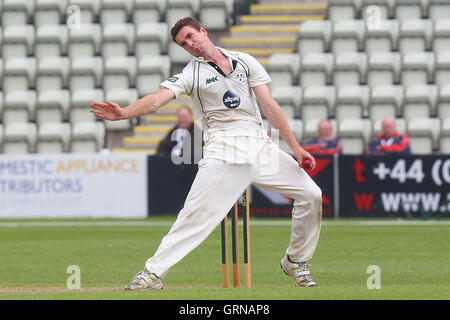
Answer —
(222, 177)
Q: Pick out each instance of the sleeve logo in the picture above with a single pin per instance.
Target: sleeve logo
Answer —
(173, 79)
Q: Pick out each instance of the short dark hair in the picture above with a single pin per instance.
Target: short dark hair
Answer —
(188, 21)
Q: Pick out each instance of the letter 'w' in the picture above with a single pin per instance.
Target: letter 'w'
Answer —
(363, 201)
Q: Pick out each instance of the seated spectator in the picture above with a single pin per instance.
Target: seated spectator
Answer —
(174, 142)
(390, 140)
(325, 143)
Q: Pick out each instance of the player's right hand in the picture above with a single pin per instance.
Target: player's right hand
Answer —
(301, 155)
(109, 110)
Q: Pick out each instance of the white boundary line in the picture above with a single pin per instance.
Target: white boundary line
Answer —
(254, 223)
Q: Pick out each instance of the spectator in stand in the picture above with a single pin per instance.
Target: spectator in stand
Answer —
(325, 143)
(174, 142)
(390, 141)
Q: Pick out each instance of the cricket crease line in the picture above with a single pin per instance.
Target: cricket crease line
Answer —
(252, 223)
(30, 290)
(27, 290)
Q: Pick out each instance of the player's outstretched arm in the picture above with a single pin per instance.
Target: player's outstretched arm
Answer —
(274, 114)
(150, 103)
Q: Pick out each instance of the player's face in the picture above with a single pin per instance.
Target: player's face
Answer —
(191, 40)
(388, 128)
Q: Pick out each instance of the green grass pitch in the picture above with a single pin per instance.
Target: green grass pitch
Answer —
(413, 260)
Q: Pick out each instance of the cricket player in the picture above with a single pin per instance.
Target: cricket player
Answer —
(226, 87)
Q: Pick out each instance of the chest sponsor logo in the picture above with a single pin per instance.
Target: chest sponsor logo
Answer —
(231, 99)
(211, 80)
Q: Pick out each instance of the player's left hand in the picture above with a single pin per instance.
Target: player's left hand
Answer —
(301, 155)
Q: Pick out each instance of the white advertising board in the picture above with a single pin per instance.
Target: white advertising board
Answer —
(73, 185)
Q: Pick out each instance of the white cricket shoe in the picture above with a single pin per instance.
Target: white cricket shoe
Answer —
(145, 280)
(298, 270)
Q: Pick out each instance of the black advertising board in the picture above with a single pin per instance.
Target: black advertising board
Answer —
(352, 186)
(324, 176)
(394, 186)
(269, 204)
(169, 184)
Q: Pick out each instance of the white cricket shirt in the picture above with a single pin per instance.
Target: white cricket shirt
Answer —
(226, 102)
